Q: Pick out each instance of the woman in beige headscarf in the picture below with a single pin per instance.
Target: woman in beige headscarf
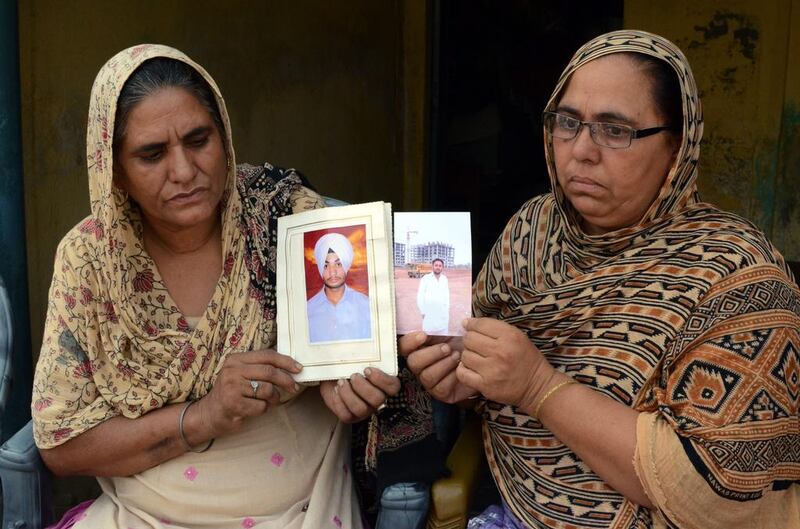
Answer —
(155, 373)
(636, 358)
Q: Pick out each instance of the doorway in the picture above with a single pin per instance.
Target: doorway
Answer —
(494, 65)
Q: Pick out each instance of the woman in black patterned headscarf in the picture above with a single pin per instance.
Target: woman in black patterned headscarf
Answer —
(636, 355)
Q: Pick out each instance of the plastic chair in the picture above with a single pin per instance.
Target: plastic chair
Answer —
(23, 477)
(450, 497)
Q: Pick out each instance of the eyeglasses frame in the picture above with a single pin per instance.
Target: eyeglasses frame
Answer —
(635, 133)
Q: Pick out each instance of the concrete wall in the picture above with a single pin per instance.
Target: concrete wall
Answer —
(335, 89)
(745, 55)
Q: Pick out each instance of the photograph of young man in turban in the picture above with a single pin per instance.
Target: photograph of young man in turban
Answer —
(336, 281)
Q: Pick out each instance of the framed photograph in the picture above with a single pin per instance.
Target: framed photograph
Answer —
(335, 291)
(432, 272)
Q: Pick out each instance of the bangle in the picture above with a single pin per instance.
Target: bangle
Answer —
(183, 434)
(549, 394)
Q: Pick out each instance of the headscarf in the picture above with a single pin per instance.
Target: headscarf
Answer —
(689, 316)
(336, 243)
(112, 328)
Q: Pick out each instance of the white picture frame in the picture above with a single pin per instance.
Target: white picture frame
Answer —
(307, 317)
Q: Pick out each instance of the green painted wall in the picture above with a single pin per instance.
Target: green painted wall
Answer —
(315, 85)
(745, 55)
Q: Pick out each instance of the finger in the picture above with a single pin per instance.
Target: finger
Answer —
(411, 342)
(264, 391)
(476, 362)
(446, 386)
(487, 326)
(427, 356)
(367, 391)
(469, 378)
(388, 384)
(271, 357)
(479, 343)
(456, 343)
(330, 394)
(272, 374)
(433, 340)
(250, 407)
(352, 401)
(432, 376)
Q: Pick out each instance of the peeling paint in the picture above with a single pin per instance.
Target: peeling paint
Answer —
(728, 77)
(745, 33)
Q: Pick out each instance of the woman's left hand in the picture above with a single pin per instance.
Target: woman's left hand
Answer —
(359, 397)
(501, 363)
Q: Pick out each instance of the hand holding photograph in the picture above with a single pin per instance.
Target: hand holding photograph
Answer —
(335, 291)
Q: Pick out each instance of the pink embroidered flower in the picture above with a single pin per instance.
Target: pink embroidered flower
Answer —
(183, 326)
(41, 404)
(98, 159)
(92, 226)
(110, 313)
(190, 473)
(83, 370)
(138, 50)
(61, 433)
(150, 329)
(226, 270)
(143, 282)
(165, 521)
(236, 337)
(88, 225)
(69, 300)
(125, 370)
(277, 459)
(248, 522)
(337, 522)
(86, 295)
(187, 357)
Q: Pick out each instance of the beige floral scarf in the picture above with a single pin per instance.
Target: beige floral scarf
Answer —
(115, 343)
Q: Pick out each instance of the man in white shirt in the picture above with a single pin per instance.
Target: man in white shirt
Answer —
(433, 300)
(336, 312)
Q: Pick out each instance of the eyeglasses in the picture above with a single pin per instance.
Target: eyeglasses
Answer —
(612, 135)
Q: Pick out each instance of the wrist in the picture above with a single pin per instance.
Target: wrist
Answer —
(539, 388)
(196, 429)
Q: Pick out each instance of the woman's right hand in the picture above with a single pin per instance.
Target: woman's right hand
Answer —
(435, 366)
(232, 399)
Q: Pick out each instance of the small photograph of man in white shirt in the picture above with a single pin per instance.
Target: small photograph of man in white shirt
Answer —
(337, 312)
(433, 300)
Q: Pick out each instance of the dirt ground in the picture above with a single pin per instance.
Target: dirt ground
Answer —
(408, 315)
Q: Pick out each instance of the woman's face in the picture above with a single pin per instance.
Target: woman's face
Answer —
(171, 160)
(612, 188)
